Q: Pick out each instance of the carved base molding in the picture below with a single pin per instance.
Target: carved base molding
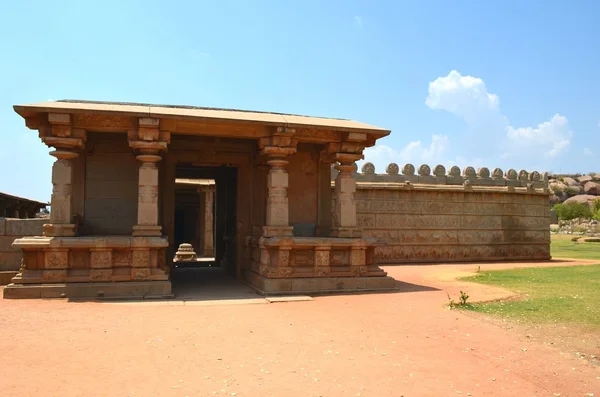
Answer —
(316, 285)
(50, 260)
(303, 257)
(129, 290)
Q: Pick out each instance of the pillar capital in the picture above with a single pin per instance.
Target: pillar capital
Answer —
(281, 143)
(57, 132)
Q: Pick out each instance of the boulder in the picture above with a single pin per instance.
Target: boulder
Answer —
(570, 181)
(584, 179)
(554, 199)
(582, 198)
(592, 188)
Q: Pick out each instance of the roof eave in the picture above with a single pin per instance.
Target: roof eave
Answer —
(27, 111)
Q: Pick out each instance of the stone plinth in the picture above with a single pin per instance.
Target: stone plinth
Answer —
(185, 253)
(321, 264)
(65, 260)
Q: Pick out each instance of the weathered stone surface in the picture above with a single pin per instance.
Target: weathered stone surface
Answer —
(582, 198)
(24, 227)
(592, 188)
(443, 225)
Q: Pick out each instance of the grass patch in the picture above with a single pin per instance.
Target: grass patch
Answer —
(563, 247)
(569, 295)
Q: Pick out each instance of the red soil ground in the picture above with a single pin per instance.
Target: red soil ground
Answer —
(396, 344)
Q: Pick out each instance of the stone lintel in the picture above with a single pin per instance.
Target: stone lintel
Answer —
(59, 118)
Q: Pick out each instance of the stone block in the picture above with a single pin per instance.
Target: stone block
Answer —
(304, 284)
(56, 260)
(6, 244)
(123, 290)
(24, 227)
(54, 276)
(140, 273)
(101, 259)
(13, 291)
(10, 260)
(100, 275)
(6, 276)
(2, 226)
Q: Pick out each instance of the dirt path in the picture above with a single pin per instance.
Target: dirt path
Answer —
(396, 344)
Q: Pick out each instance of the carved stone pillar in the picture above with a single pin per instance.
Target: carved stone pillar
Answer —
(67, 141)
(344, 212)
(148, 143)
(209, 237)
(277, 148)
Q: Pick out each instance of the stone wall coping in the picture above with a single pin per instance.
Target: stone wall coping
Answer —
(455, 188)
(438, 175)
(88, 242)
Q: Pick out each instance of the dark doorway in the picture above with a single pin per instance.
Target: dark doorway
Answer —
(188, 229)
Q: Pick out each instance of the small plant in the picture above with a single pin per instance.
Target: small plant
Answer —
(462, 300)
(575, 239)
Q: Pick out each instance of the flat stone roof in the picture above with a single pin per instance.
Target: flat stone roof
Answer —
(176, 111)
(7, 196)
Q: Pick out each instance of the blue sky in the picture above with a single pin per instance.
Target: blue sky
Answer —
(510, 84)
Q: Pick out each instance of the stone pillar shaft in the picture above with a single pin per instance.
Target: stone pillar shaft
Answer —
(147, 217)
(344, 222)
(209, 243)
(61, 211)
(277, 200)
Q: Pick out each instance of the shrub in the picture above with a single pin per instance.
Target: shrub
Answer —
(572, 191)
(596, 209)
(568, 211)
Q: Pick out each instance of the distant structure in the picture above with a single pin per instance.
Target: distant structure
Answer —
(19, 207)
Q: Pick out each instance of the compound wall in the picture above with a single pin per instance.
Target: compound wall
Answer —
(445, 218)
(11, 229)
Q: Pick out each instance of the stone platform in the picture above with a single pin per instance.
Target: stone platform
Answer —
(317, 285)
(129, 290)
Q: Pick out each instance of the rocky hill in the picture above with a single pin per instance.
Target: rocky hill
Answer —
(574, 188)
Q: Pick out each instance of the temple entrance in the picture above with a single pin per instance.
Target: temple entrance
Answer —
(205, 226)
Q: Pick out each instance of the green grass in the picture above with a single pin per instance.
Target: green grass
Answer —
(563, 247)
(567, 295)
(548, 295)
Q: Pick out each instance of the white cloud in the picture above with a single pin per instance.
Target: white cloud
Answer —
(552, 137)
(415, 152)
(489, 139)
(464, 96)
(468, 98)
(587, 152)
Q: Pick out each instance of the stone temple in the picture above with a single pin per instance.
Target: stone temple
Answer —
(275, 199)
